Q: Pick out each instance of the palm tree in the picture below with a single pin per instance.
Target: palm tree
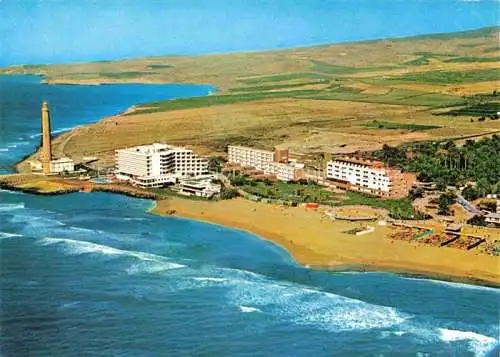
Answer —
(214, 164)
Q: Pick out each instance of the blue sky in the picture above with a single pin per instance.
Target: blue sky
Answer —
(56, 31)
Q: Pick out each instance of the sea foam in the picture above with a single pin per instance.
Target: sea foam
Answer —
(479, 344)
(156, 263)
(456, 285)
(307, 306)
(11, 206)
(4, 235)
(217, 280)
(249, 309)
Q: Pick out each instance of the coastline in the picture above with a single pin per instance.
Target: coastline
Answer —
(313, 240)
(320, 244)
(307, 244)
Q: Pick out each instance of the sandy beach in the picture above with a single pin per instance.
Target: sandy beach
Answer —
(314, 240)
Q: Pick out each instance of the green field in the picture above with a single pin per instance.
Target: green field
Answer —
(398, 209)
(424, 58)
(277, 86)
(323, 67)
(283, 77)
(159, 66)
(467, 34)
(125, 75)
(197, 102)
(388, 125)
(421, 61)
(394, 96)
(475, 110)
(446, 77)
(492, 49)
(472, 59)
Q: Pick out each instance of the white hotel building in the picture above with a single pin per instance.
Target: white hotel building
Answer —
(245, 156)
(369, 177)
(157, 164)
(269, 162)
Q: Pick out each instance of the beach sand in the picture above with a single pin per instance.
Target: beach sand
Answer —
(314, 240)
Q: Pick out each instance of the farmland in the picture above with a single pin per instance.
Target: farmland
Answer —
(310, 99)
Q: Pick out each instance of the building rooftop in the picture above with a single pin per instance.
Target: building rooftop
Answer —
(62, 160)
(202, 180)
(153, 148)
(250, 148)
(360, 161)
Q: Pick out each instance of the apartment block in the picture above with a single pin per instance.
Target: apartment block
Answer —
(370, 177)
(246, 156)
(268, 162)
(157, 164)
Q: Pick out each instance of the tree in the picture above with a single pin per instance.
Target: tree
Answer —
(477, 221)
(444, 202)
(267, 182)
(392, 156)
(416, 193)
(228, 193)
(470, 193)
(238, 180)
(441, 185)
(215, 164)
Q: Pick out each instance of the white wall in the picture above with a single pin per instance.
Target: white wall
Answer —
(360, 175)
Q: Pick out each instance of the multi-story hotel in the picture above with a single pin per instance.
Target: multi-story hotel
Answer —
(370, 177)
(274, 163)
(157, 164)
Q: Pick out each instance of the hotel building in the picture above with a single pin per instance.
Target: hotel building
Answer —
(370, 177)
(274, 163)
(157, 164)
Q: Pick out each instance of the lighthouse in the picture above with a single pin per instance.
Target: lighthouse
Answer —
(46, 156)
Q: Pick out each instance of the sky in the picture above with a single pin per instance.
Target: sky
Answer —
(59, 31)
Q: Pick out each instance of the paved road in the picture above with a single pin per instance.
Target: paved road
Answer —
(469, 207)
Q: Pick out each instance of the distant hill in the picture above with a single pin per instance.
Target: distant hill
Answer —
(312, 99)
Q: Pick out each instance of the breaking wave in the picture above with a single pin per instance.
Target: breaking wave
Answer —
(11, 206)
(11, 192)
(302, 305)
(456, 285)
(150, 263)
(4, 235)
(57, 131)
(76, 247)
(479, 344)
(249, 309)
(217, 280)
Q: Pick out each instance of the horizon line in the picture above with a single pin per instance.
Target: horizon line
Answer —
(262, 50)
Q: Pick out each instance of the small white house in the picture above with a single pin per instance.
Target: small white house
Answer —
(493, 218)
(61, 165)
(201, 187)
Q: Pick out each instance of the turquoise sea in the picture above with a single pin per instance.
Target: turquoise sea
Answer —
(97, 275)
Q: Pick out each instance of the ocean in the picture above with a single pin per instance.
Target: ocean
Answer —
(98, 275)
